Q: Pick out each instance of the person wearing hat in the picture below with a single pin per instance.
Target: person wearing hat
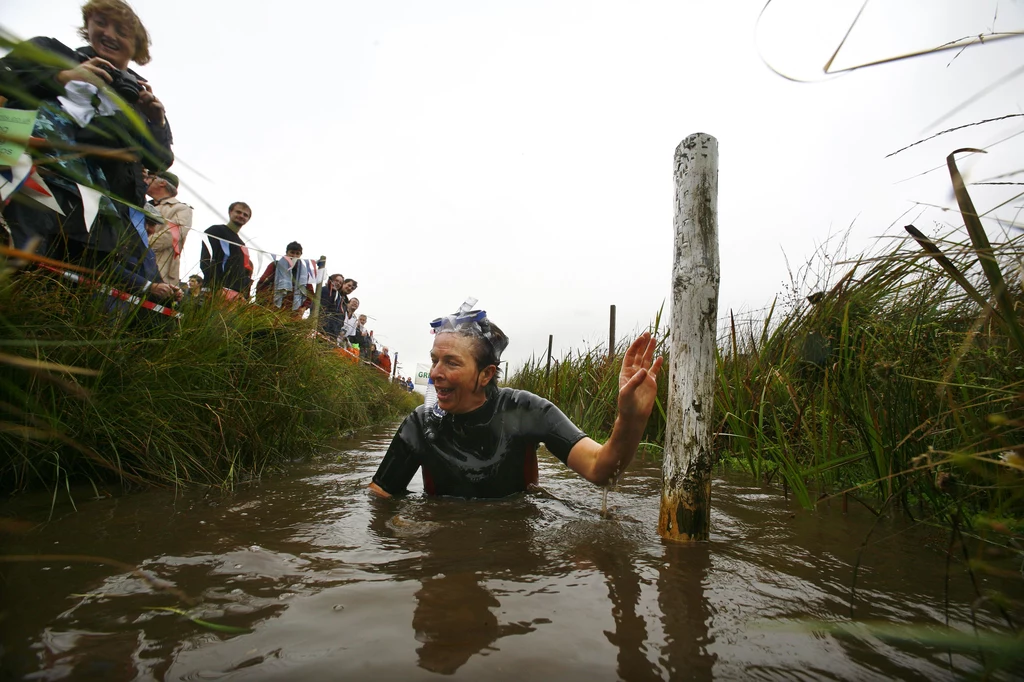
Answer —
(473, 439)
(169, 239)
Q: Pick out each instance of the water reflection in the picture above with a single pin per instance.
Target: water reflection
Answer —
(686, 614)
(462, 545)
(454, 619)
(461, 548)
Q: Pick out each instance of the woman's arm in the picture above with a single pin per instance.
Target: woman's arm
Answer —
(638, 389)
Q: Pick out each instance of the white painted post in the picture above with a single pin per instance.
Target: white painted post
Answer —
(686, 485)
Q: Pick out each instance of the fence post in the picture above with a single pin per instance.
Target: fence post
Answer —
(315, 312)
(611, 333)
(551, 337)
(686, 485)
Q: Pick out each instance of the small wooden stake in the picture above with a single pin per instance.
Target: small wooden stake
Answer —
(547, 372)
(611, 333)
(686, 485)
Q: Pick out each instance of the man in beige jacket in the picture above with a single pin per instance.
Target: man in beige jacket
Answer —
(169, 239)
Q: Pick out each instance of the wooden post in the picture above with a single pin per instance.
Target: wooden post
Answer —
(547, 371)
(611, 333)
(315, 312)
(686, 485)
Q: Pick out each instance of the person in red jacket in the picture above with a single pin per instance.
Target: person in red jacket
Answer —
(385, 361)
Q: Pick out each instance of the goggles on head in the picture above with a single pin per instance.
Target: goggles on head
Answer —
(472, 322)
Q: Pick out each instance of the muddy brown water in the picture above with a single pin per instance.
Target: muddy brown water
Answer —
(328, 583)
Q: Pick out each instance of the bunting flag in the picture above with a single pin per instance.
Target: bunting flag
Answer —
(138, 219)
(175, 230)
(13, 177)
(36, 189)
(90, 204)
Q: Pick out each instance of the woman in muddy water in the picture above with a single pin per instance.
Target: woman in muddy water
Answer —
(481, 441)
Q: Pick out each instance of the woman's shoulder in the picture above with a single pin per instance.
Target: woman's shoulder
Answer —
(41, 50)
(519, 398)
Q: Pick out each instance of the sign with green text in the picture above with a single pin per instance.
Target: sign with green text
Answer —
(15, 129)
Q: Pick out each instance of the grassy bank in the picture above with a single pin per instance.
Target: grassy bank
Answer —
(220, 396)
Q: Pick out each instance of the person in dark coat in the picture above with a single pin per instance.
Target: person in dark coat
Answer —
(82, 96)
(225, 263)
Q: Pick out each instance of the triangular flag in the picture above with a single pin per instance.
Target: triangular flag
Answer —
(175, 231)
(15, 176)
(138, 219)
(35, 188)
(90, 204)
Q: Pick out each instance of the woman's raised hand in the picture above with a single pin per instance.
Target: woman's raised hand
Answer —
(638, 379)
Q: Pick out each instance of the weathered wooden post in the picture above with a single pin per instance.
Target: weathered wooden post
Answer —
(611, 333)
(314, 314)
(686, 486)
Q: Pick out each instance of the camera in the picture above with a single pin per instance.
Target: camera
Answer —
(125, 84)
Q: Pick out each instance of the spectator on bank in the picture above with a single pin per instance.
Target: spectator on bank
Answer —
(90, 97)
(194, 292)
(409, 385)
(348, 328)
(384, 361)
(348, 285)
(225, 264)
(332, 315)
(169, 240)
(288, 282)
(156, 287)
(357, 334)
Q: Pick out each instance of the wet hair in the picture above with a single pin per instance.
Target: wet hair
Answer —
(120, 11)
(294, 246)
(239, 203)
(488, 343)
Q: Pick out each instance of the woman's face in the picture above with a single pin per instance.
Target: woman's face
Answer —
(111, 39)
(457, 380)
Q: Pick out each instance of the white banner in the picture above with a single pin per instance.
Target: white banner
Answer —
(422, 374)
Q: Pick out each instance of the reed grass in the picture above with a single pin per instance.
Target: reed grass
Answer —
(900, 382)
(221, 396)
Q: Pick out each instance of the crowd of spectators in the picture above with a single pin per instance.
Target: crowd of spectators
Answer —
(94, 211)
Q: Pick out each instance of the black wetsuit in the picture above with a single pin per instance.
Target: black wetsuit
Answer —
(489, 452)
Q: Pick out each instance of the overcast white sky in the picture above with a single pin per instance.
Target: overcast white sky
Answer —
(521, 152)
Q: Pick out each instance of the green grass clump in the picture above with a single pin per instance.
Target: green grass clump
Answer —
(220, 396)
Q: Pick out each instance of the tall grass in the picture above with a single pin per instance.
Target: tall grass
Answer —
(217, 397)
(899, 383)
(585, 386)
